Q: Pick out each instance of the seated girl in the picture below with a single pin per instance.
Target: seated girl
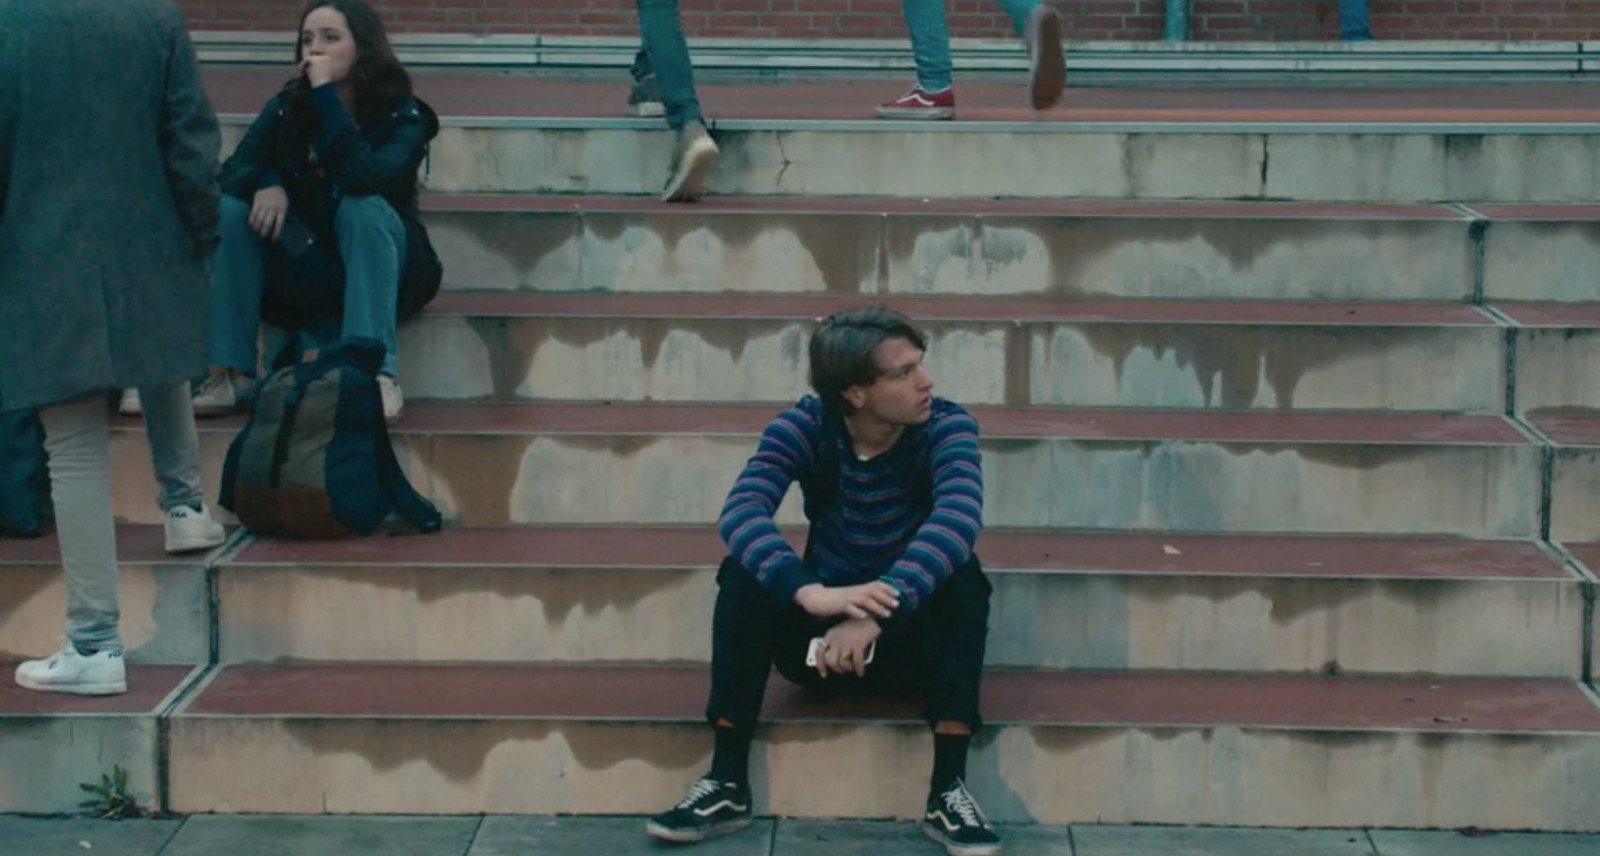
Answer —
(320, 228)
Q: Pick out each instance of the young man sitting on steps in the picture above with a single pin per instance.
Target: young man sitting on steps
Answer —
(893, 488)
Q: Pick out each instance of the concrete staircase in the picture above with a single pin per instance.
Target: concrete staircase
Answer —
(1290, 507)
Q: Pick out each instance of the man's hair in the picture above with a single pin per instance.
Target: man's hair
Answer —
(842, 346)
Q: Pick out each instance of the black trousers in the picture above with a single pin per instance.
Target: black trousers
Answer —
(935, 653)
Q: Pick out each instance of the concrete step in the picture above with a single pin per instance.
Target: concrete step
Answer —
(1587, 556)
(1060, 747)
(1539, 252)
(1012, 351)
(1062, 600)
(166, 600)
(1197, 471)
(1575, 472)
(1554, 346)
(965, 244)
(553, 134)
(51, 743)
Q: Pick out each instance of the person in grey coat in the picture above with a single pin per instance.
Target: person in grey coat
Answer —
(108, 211)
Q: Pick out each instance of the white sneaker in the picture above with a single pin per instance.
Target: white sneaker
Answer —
(216, 396)
(130, 406)
(189, 530)
(100, 673)
(691, 163)
(394, 401)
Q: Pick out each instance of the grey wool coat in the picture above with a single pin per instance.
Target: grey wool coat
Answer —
(108, 198)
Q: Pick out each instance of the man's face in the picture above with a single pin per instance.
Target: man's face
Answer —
(903, 392)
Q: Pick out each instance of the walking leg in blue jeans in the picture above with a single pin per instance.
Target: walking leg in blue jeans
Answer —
(644, 99)
(1354, 25)
(1039, 26)
(667, 56)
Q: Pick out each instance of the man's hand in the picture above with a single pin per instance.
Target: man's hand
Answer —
(268, 210)
(844, 648)
(876, 599)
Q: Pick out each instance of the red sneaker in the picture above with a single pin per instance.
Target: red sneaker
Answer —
(920, 104)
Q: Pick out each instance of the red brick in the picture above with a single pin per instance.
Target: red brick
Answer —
(1086, 19)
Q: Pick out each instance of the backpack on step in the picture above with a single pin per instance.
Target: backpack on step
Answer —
(315, 459)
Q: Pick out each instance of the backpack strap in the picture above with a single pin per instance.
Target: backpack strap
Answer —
(410, 505)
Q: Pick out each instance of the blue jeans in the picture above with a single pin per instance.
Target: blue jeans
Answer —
(1353, 24)
(372, 247)
(930, 37)
(78, 438)
(666, 55)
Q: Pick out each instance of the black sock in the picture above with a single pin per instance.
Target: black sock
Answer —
(731, 760)
(84, 652)
(949, 759)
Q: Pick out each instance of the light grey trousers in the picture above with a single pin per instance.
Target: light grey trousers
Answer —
(78, 440)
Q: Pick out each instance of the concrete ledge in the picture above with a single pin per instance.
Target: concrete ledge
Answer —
(1217, 59)
(398, 613)
(50, 743)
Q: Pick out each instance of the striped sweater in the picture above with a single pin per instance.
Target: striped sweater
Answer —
(872, 531)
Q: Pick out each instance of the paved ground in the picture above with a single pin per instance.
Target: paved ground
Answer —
(210, 835)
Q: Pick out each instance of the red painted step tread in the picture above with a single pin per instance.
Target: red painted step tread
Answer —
(944, 207)
(136, 544)
(1040, 698)
(995, 309)
(649, 547)
(1552, 314)
(148, 687)
(1265, 428)
(455, 92)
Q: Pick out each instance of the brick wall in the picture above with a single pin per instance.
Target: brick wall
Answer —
(1086, 19)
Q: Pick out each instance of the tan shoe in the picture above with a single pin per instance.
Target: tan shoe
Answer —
(218, 395)
(691, 163)
(394, 401)
(1047, 61)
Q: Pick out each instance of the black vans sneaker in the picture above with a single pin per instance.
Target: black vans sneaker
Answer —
(954, 820)
(711, 808)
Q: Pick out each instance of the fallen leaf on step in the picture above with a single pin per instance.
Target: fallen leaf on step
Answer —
(1171, 550)
(1449, 720)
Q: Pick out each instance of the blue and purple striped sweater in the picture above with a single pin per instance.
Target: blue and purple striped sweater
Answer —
(872, 530)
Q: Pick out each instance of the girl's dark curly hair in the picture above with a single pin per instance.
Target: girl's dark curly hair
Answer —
(380, 83)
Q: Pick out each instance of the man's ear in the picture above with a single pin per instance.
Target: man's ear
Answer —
(855, 397)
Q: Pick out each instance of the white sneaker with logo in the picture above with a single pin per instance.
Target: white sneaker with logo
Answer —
(189, 530)
(100, 673)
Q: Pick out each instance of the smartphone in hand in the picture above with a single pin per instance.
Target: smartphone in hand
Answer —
(814, 652)
(295, 238)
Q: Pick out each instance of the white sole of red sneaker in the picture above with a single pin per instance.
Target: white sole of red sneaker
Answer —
(916, 112)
